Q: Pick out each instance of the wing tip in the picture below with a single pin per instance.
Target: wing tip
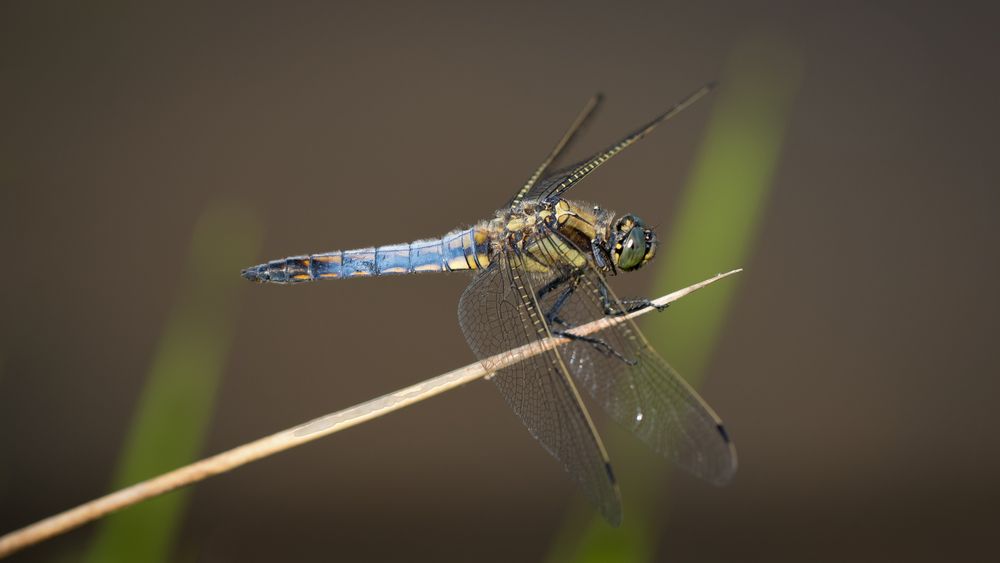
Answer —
(726, 474)
(721, 428)
(612, 511)
(611, 473)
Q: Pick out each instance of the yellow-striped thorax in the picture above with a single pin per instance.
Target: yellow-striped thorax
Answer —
(595, 235)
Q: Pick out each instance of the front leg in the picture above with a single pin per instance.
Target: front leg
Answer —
(628, 305)
(602, 257)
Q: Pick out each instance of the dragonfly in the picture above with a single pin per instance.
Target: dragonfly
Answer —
(540, 267)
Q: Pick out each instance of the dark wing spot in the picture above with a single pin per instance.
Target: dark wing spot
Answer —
(723, 433)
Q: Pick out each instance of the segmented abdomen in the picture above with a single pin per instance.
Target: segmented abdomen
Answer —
(457, 250)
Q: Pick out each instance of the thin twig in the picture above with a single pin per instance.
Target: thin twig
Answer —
(301, 434)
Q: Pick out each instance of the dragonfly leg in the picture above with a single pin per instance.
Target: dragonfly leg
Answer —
(552, 315)
(550, 287)
(627, 305)
(602, 256)
(601, 346)
(552, 318)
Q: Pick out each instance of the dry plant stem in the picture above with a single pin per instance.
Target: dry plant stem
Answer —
(317, 428)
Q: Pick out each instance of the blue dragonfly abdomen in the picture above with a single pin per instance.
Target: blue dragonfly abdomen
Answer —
(463, 249)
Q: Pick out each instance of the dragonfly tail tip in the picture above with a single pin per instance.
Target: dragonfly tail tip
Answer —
(254, 274)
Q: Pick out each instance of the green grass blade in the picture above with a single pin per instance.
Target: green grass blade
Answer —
(176, 403)
(714, 230)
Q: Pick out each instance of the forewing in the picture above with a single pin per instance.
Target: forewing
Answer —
(558, 182)
(639, 389)
(498, 313)
(529, 190)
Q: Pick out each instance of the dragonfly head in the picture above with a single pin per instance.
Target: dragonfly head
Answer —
(634, 243)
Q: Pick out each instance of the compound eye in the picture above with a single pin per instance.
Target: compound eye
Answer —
(627, 222)
(633, 249)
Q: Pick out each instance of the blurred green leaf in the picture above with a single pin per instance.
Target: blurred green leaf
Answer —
(715, 228)
(176, 403)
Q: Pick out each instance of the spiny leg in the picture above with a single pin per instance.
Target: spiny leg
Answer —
(628, 305)
(600, 345)
(552, 317)
(552, 286)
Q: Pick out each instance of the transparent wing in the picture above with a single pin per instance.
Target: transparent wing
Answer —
(562, 180)
(498, 313)
(632, 382)
(567, 139)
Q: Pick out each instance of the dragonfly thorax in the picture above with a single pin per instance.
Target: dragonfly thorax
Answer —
(585, 233)
(532, 219)
(624, 244)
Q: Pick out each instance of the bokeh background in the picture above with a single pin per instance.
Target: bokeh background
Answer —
(847, 162)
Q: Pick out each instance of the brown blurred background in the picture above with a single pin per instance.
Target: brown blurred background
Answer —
(857, 370)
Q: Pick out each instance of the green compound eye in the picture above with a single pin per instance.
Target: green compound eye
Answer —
(633, 250)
